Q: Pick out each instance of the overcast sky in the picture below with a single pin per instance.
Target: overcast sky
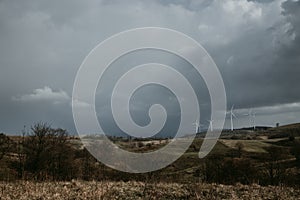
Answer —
(255, 44)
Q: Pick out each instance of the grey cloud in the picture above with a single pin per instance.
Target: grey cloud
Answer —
(254, 43)
(263, 73)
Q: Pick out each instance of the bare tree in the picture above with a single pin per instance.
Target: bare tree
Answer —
(48, 152)
(5, 144)
(21, 155)
(296, 151)
(273, 164)
(240, 147)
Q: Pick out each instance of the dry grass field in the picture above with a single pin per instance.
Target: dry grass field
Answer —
(230, 171)
(255, 146)
(140, 190)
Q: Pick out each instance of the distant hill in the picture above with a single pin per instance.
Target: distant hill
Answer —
(290, 130)
(285, 127)
(259, 128)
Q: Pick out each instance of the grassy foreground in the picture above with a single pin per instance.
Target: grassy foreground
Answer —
(140, 190)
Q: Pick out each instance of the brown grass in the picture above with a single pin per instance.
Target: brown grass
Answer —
(140, 190)
(254, 146)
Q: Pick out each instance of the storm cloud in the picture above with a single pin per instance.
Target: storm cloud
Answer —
(255, 44)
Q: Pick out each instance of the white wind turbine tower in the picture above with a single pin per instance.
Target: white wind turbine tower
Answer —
(249, 114)
(252, 117)
(254, 121)
(197, 126)
(211, 125)
(232, 115)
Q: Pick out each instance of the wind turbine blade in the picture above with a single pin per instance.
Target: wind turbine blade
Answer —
(232, 107)
(250, 111)
(234, 115)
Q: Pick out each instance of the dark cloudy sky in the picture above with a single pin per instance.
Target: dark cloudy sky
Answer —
(255, 44)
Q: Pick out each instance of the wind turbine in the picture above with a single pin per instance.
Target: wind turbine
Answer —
(254, 121)
(252, 117)
(211, 125)
(232, 115)
(197, 126)
(249, 114)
